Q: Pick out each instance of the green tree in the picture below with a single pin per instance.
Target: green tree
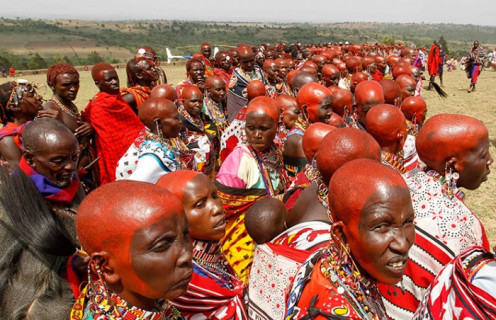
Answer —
(39, 61)
(444, 44)
(389, 40)
(94, 57)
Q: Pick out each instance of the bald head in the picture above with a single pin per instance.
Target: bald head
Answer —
(341, 101)
(176, 181)
(448, 135)
(414, 109)
(164, 91)
(343, 145)
(387, 124)
(313, 136)
(347, 201)
(104, 225)
(392, 91)
(255, 88)
(301, 79)
(265, 219)
(367, 94)
(189, 91)
(45, 133)
(156, 109)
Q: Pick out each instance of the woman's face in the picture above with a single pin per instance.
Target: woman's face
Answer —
(193, 104)
(473, 166)
(206, 217)
(380, 240)
(290, 115)
(260, 130)
(157, 264)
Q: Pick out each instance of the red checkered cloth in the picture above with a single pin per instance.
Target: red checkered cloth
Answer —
(116, 126)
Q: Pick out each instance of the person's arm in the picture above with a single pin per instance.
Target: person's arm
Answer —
(9, 151)
(129, 98)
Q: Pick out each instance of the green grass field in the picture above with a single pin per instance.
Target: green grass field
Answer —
(480, 104)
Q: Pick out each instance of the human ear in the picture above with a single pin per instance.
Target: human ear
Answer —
(29, 158)
(337, 231)
(103, 264)
(453, 163)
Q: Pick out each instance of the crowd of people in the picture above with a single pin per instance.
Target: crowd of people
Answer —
(274, 182)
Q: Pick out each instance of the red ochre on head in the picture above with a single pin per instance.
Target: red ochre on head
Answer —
(343, 145)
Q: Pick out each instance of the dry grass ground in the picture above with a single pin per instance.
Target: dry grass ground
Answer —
(480, 104)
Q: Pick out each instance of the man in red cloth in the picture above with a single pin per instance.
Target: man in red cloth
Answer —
(116, 125)
(433, 62)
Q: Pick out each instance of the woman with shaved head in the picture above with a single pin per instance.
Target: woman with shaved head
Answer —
(250, 172)
(157, 150)
(371, 235)
(139, 252)
(455, 150)
(215, 292)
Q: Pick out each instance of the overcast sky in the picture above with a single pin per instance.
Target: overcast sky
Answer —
(481, 12)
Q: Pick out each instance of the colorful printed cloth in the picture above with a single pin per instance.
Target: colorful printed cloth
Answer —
(237, 95)
(275, 264)
(47, 189)
(11, 129)
(149, 157)
(215, 117)
(444, 227)
(198, 141)
(116, 127)
(237, 245)
(234, 135)
(139, 93)
(214, 292)
(463, 289)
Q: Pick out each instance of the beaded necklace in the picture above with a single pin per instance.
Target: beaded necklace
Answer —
(104, 304)
(393, 160)
(251, 75)
(196, 122)
(359, 291)
(267, 166)
(175, 146)
(208, 256)
(314, 176)
(215, 113)
(65, 109)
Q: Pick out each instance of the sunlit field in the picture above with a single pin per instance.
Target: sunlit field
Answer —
(480, 104)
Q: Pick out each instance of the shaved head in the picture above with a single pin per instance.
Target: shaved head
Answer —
(387, 124)
(313, 136)
(448, 135)
(155, 109)
(104, 225)
(164, 91)
(343, 145)
(44, 132)
(346, 200)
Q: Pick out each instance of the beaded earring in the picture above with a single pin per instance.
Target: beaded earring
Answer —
(92, 291)
(159, 130)
(451, 178)
(414, 123)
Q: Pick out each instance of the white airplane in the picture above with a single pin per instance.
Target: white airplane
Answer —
(170, 56)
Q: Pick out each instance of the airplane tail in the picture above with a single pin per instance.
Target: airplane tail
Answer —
(169, 55)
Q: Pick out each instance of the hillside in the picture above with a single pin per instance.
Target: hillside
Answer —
(31, 44)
